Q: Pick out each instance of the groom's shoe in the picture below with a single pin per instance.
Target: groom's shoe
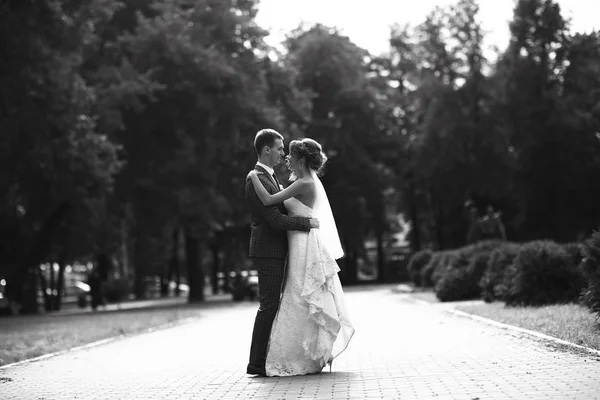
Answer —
(254, 370)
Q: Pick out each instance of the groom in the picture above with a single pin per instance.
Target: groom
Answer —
(268, 243)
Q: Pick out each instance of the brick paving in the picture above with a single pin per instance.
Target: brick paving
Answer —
(401, 350)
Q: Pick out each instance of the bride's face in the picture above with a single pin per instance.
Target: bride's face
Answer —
(291, 161)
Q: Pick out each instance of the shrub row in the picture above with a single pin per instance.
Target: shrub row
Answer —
(533, 273)
(543, 272)
(459, 279)
(492, 283)
(590, 266)
(416, 263)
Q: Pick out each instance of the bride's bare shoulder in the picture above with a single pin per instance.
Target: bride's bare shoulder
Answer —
(308, 182)
(306, 185)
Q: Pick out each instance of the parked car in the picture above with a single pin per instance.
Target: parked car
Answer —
(8, 306)
(82, 291)
(241, 286)
(183, 288)
(4, 304)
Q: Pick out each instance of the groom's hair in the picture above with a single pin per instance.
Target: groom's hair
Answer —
(265, 137)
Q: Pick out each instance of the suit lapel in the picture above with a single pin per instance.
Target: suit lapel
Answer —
(261, 169)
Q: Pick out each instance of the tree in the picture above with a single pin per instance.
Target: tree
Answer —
(206, 58)
(344, 115)
(55, 156)
(531, 74)
(440, 98)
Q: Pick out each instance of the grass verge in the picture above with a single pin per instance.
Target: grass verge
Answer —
(23, 337)
(570, 322)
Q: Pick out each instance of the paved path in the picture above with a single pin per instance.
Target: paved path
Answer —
(401, 350)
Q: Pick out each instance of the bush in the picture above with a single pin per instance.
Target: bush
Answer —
(575, 250)
(591, 270)
(543, 273)
(452, 284)
(416, 264)
(437, 258)
(485, 246)
(460, 281)
(443, 263)
(476, 268)
(492, 281)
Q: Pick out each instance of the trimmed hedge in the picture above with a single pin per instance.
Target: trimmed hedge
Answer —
(438, 264)
(591, 270)
(450, 258)
(460, 281)
(575, 250)
(492, 282)
(417, 262)
(543, 273)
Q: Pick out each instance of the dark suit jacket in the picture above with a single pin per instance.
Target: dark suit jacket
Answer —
(268, 237)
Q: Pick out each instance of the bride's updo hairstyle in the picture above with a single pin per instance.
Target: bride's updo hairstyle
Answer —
(311, 152)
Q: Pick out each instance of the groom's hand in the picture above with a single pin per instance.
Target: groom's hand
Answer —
(314, 223)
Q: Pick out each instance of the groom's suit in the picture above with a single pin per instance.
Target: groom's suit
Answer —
(268, 250)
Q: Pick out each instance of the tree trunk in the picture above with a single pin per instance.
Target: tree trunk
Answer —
(28, 291)
(41, 247)
(215, 268)
(52, 286)
(194, 269)
(381, 272)
(179, 255)
(350, 270)
(124, 253)
(139, 259)
(45, 287)
(60, 284)
(167, 277)
(177, 267)
(415, 241)
(164, 281)
(353, 275)
(439, 221)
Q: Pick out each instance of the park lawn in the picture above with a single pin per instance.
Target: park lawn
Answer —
(570, 322)
(23, 337)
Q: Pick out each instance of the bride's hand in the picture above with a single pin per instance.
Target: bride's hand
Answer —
(251, 173)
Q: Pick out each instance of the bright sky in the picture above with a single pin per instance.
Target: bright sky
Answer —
(367, 23)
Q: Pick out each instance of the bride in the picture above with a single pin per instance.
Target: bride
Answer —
(312, 325)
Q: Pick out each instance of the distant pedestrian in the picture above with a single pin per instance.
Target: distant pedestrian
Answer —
(474, 231)
(492, 226)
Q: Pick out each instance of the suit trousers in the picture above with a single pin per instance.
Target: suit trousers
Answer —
(270, 279)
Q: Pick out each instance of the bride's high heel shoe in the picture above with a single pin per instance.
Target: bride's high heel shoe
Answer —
(330, 362)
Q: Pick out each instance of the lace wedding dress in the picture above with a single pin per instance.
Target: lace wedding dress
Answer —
(312, 325)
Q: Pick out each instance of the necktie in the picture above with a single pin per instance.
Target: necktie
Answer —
(276, 181)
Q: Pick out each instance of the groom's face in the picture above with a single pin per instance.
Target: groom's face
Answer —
(276, 153)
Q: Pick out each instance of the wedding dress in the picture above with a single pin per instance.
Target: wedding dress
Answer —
(312, 325)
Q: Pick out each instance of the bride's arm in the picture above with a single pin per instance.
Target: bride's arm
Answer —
(268, 199)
